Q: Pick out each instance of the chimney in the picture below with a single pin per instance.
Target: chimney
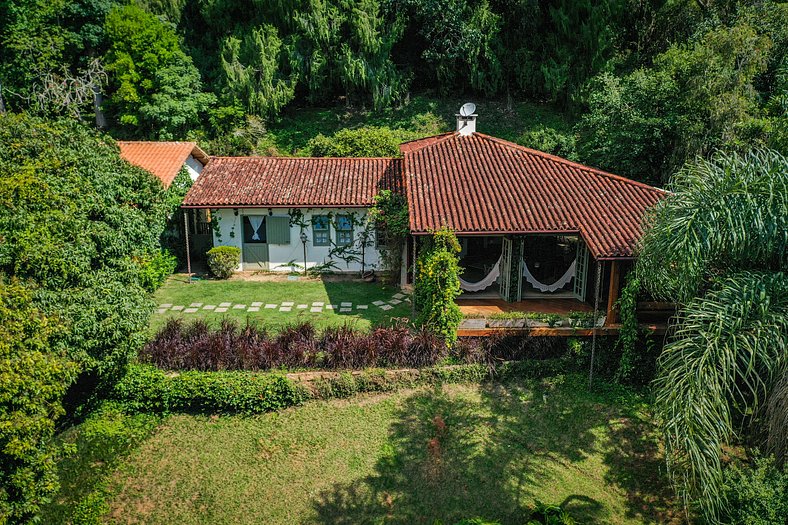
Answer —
(466, 119)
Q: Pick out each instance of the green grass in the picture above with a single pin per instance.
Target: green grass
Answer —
(416, 456)
(423, 114)
(304, 291)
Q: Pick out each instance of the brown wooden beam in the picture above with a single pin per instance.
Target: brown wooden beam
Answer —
(612, 295)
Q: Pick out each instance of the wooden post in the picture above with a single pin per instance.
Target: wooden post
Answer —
(188, 255)
(612, 295)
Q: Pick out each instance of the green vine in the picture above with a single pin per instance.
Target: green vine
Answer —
(628, 333)
(390, 214)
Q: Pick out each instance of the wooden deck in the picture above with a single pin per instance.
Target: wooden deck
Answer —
(545, 306)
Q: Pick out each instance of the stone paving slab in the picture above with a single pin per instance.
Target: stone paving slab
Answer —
(225, 305)
(362, 306)
(271, 306)
(386, 307)
(286, 309)
(330, 306)
(302, 306)
(399, 295)
(316, 309)
(165, 305)
(290, 303)
(190, 310)
(253, 309)
(395, 301)
(345, 305)
(378, 303)
(195, 305)
(257, 304)
(177, 308)
(161, 310)
(318, 304)
(345, 310)
(239, 307)
(220, 309)
(209, 307)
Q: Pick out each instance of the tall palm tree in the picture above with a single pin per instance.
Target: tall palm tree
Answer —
(718, 246)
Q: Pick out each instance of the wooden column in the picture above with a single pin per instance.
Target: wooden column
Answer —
(612, 295)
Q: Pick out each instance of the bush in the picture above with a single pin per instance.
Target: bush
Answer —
(438, 284)
(155, 269)
(361, 142)
(756, 493)
(223, 260)
(33, 381)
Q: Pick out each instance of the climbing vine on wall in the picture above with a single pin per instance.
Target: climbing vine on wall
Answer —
(628, 334)
(390, 215)
(438, 284)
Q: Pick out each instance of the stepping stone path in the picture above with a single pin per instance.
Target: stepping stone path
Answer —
(285, 306)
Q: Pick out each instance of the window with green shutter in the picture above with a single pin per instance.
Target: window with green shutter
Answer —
(278, 230)
(344, 228)
(320, 231)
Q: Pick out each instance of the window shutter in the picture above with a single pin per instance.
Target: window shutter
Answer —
(277, 230)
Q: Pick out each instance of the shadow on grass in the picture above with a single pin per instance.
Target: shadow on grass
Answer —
(366, 293)
(450, 457)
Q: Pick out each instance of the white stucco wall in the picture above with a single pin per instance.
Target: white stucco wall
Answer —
(230, 234)
(194, 167)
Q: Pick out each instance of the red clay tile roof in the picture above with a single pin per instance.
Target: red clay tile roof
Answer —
(163, 159)
(293, 181)
(479, 184)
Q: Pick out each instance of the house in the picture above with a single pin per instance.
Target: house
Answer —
(531, 225)
(165, 160)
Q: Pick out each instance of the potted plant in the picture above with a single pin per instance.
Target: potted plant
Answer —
(537, 320)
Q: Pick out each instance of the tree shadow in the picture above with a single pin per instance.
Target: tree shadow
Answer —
(453, 454)
(358, 292)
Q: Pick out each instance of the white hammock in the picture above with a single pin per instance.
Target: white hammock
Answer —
(488, 280)
(560, 283)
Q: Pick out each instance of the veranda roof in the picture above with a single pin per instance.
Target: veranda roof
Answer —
(477, 184)
(292, 181)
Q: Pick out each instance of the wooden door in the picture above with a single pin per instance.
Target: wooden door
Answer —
(581, 271)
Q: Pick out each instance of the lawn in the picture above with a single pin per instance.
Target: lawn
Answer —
(417, 456)
(277, 290)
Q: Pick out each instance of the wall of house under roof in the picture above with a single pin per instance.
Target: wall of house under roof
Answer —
(229, 233)
(194, 167)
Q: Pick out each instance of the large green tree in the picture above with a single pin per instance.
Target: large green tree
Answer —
(718, 246)
(154, 88)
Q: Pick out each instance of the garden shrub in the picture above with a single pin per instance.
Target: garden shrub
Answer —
(33, 380)
(223, 260)
(756, 493)
(368, 141)
(438, 285)
(155, 269)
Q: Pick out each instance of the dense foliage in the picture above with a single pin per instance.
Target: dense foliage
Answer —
(757, 493)
(390, 216)
(718, 247)
(223, 260)
(437, 284)
(361, 142)
(84, 226)
(33, 378)
(653, 83)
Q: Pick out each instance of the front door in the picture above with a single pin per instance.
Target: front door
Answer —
(255, 245)
(581, 271)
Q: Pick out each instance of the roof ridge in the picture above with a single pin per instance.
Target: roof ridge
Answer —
(279, 157)
(156, 142)
(568, 162)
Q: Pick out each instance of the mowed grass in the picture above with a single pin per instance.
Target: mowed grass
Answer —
(410, 457)
(177, 291)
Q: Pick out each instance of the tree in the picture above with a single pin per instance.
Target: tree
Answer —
(718, 247)
(155, 90)
(34, 379)
(252, 70)
(368, 141)
(82, 224)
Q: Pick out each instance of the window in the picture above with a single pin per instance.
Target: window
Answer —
(344, 230)
(380, 238)
(254, 230)
(320, 235)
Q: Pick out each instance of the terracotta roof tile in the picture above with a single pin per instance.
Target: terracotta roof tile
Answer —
(163, 159)
(293, 181)
(479, 184)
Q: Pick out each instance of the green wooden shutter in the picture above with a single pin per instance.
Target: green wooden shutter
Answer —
(277, 230)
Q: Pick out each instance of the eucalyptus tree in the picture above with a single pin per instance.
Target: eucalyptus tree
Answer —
(718, 246)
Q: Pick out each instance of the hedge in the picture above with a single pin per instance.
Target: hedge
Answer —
(146, 388)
